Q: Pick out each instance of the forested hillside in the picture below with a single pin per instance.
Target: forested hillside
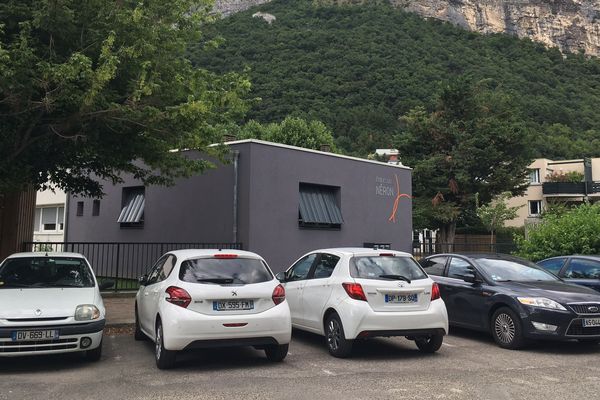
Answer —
(359, 68)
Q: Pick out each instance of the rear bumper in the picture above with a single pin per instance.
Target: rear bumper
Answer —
(357, 317)
(185, 329)
(402, 332)
(69, 340)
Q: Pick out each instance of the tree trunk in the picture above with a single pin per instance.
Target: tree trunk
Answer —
(17, 211)
(445, 238)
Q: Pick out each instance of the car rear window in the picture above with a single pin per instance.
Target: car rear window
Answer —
(44, 272)
(385, 267)
(234, 271)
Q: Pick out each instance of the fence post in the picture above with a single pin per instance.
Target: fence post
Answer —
(117, 267)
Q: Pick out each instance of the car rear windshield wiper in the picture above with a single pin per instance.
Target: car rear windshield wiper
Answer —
(215, 280)
(397, 277)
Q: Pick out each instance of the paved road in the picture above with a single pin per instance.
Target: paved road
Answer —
(469, 366)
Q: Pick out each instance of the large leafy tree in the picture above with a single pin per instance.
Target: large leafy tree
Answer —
(89, 87)
(472, 143)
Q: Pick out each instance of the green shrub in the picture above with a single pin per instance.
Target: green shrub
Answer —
(576, 231)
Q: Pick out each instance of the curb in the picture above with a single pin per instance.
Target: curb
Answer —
(116, 295)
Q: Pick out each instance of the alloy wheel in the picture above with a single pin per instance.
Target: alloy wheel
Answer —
(333, 334)
(504, 327)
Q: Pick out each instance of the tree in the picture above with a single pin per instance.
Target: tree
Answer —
(292, 131)
(473, 142)
(571, 232)
(496, 213)
(89, 87)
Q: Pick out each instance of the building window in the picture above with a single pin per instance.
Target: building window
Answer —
(133, 202)
(535, 208)
(96, 208)
(49, 219)
(79, 208)
(534, 175)
(319, 207)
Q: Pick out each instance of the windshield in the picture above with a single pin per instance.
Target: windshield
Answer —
(45, 272)
(514, 270)
(234, 271)
(386, 267)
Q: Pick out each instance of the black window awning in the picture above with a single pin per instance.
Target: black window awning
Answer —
(318, 205)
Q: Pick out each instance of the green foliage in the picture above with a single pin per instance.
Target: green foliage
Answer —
(572, 232)
(291, 131)
(358, 68)
(87, 87)
(496, 213)
(571, 177)
(472, 144)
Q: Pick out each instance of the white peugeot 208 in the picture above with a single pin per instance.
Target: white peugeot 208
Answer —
(194, 299)
(50, 303)
(357, 293)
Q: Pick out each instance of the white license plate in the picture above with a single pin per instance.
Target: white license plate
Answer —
(401, 298)
(591, 322)
(28, 336)
(233, 305)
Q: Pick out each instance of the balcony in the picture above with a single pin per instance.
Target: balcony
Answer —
(570, 188)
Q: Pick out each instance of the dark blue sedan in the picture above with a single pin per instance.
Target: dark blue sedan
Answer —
(513, 299)
(582, 270)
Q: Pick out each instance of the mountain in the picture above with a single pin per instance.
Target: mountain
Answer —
(570, 25)
(358, 69)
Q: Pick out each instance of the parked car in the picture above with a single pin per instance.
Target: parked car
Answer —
(356, 293)
(50, 303)
(582, 270)
(194, 299)
(514, 299)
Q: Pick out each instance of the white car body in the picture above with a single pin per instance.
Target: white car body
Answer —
(47, 309)
(199, 325)
(313, 299)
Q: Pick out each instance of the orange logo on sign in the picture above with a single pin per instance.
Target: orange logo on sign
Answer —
(398, 197)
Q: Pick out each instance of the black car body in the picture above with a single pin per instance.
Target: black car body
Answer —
(582, 270)
(477, 297)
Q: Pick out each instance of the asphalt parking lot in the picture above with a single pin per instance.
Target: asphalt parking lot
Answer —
(469, 366)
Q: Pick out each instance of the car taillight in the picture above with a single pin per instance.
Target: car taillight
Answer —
(355, 291)
(178, 296)
(278, 294)
(435, 291)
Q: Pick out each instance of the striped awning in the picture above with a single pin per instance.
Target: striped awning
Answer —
(133, 211)
(318, 205)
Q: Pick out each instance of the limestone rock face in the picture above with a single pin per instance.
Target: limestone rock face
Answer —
(570, 25)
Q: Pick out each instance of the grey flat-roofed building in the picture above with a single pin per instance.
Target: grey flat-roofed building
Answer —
(284, 202)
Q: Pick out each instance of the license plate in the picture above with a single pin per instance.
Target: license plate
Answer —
(591, 322)
(401, 298)
(28, 336)
(233, 305)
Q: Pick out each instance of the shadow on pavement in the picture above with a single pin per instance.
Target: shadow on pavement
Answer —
(44, 363)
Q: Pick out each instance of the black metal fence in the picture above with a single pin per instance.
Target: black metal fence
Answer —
(123, 263)
(430, 247)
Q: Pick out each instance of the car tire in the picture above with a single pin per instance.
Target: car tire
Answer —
(589, 342)
(430, 344)
(337, 344)
(276, 353)
(165, 359)
(507, 329)
(137, 333)
(94, 355)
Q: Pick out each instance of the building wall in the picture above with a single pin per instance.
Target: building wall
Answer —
(533, 192)
(366, 208)
(596, 169)
(49, 199)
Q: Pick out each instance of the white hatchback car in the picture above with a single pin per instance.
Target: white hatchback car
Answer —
(357, 293)
(194, 299)
(50, 303)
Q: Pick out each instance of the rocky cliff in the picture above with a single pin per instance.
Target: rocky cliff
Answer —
(570, 25)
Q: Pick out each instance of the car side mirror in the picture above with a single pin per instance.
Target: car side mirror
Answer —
(106, 285)
(470, 276)
(280, 276)
(143, 279)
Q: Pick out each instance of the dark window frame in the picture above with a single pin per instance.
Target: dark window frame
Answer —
(335, 192)
(127, 195)
(80, 209)
(95, 208)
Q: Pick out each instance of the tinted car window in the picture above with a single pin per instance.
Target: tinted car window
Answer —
(385, 267)
(580, 268)
(38, 272)
(514, 270)
(301, 269)
(155, 271)
(553, 265)
(435, 265)
(325, 266)
(235, 271)
(167, 267)
(458, 268)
